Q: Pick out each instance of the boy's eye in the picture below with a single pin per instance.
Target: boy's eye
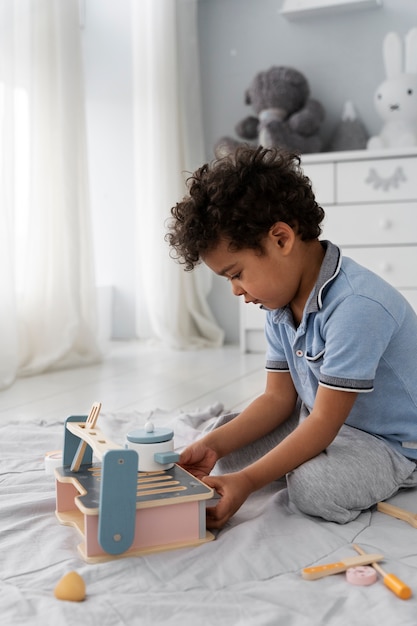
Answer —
(234, 276)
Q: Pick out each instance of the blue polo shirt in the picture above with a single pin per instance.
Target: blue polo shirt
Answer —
(357, 333)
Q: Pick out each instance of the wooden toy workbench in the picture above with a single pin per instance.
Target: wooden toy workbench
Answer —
(122, 512)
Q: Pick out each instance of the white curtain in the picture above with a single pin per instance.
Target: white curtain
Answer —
(47, 291)
(168, 145)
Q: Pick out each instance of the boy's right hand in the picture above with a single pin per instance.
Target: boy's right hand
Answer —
(198, 459)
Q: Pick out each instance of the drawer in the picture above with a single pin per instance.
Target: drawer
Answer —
(253, 341)
(396, 265)
(251, 316)
(323, 181)
(376, 180)
(371, 225)
(252, 322)
(411, 295)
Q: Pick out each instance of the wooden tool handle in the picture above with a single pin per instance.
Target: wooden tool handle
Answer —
(395, 511)
(93, 437)
(397, 586)
(89, 423)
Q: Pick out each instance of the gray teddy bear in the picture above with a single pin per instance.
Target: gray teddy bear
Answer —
(286, 117)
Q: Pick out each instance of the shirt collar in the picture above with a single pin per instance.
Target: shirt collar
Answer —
(330, 268)
(328, 272)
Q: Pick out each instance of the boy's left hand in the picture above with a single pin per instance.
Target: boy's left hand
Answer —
(234, 489)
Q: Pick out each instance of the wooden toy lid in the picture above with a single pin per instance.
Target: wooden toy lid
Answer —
(150, 434)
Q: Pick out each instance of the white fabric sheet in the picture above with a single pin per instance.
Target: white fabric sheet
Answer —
(251, 573)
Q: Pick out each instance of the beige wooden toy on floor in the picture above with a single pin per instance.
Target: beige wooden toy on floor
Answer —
(71, 587)
(396, 511)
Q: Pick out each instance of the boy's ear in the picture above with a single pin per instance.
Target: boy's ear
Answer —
(283, 235)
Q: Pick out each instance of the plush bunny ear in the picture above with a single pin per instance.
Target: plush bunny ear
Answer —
(411, 51)
(392, 53)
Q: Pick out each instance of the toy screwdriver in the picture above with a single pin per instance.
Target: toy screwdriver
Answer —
(391, 581)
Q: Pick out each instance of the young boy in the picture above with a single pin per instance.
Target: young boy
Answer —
(338, 417)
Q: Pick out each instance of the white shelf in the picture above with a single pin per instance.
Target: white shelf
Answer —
(298, 9)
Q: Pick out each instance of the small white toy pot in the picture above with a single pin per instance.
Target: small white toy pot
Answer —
(155, 447)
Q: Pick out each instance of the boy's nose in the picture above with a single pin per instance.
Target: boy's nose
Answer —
(237, 290)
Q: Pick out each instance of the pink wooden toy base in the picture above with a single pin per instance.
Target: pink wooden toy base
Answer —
(177, 520)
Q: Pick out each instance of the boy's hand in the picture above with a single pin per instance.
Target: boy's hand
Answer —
(198, 459)
(234, 489)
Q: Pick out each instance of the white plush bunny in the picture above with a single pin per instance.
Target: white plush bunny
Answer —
(396, 99)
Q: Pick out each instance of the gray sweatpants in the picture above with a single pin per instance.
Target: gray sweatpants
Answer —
(355, 472)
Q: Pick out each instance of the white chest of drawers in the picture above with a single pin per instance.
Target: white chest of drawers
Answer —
(370, 200)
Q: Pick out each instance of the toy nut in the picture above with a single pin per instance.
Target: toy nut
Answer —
(361, 575)
(155, 447)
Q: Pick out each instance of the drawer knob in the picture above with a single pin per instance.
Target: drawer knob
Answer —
(385, 267)
(385, 223)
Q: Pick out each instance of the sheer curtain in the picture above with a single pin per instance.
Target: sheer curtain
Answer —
(47, 290)
(168, 145)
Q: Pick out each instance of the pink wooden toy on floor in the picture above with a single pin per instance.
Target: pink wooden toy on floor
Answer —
(119, 507)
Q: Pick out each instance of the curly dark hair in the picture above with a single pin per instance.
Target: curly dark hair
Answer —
(239, 198)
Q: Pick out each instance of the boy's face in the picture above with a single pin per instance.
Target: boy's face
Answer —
(271, 279)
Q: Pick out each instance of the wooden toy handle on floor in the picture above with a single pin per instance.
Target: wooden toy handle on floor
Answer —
(93, 437)
(395, 511)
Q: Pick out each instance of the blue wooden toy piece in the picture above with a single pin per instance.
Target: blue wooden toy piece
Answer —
(166, 457)
(71, 443)
(117, 510)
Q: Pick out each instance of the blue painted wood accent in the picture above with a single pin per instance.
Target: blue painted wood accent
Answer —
(166, 457)
(71, 443)
(117, 511)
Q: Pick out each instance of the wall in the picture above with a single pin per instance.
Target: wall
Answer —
(340, 54)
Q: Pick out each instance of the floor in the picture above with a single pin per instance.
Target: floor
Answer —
(141, 377)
